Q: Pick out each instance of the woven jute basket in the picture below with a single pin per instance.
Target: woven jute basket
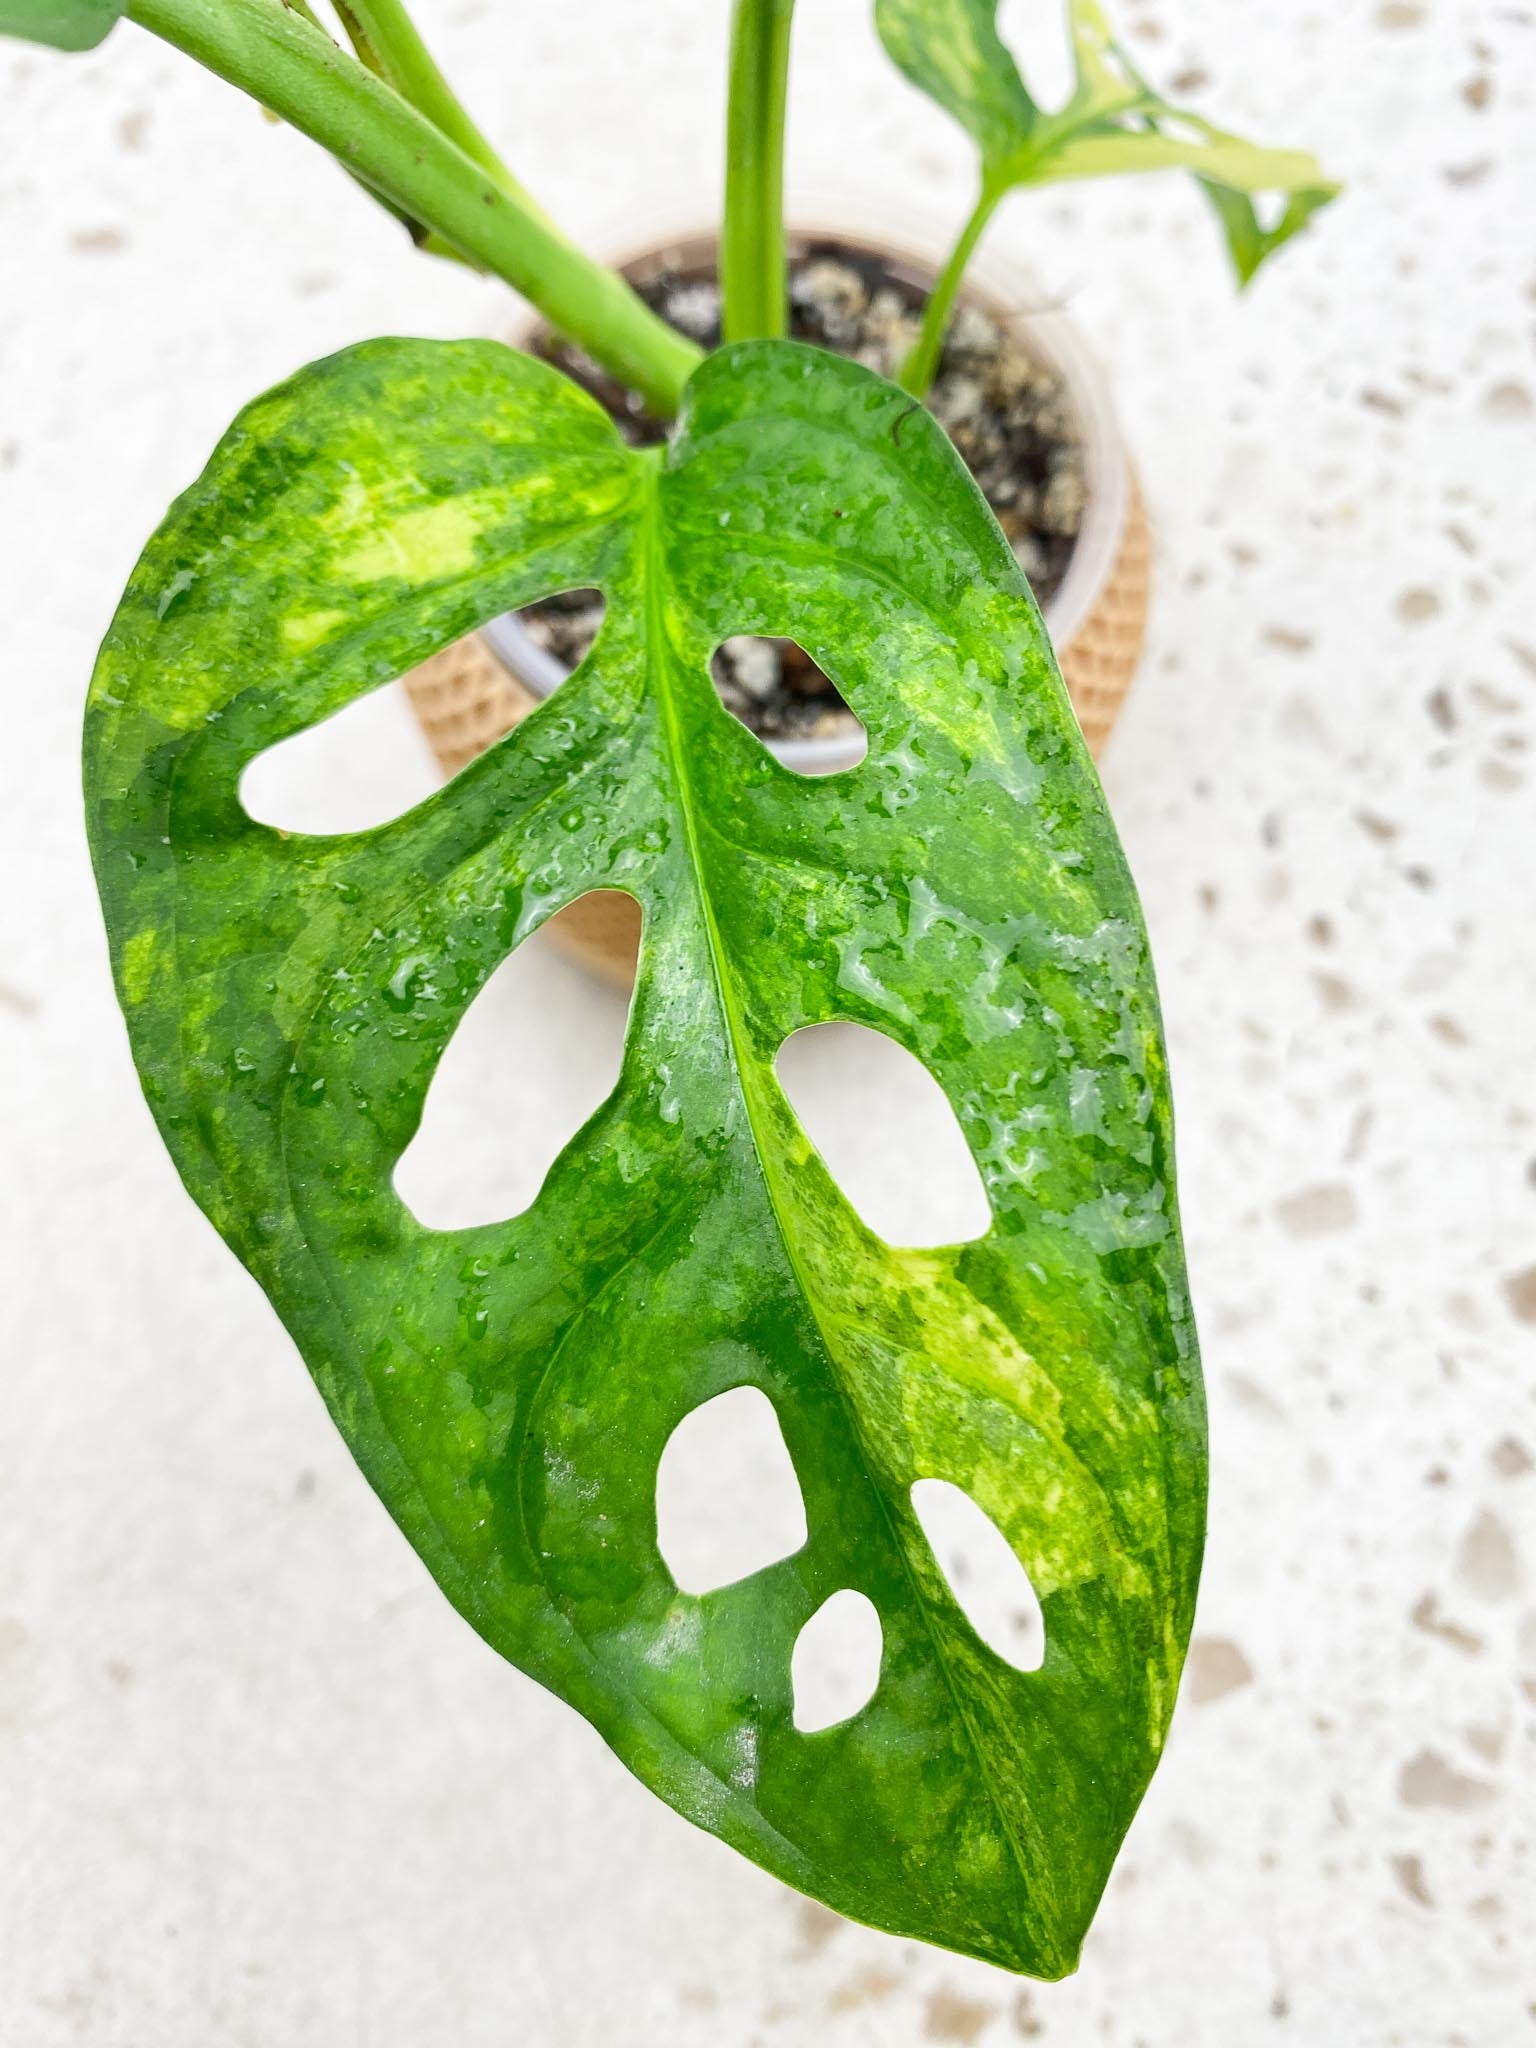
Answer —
(466, 699)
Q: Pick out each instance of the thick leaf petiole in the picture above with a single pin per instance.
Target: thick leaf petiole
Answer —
(920, 367)
(752, 263)
(293, 68)
(389, 43)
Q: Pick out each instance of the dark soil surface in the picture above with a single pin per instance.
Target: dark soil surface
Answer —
(1008, 414)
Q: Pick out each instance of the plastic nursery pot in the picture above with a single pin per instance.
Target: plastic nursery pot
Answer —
(474, 692)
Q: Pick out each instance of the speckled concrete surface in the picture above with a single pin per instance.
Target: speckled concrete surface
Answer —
(259, 1785)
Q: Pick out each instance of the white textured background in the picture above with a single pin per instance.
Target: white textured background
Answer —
(258, 1785)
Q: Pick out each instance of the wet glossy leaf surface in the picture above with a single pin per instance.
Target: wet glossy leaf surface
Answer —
(509, 1389)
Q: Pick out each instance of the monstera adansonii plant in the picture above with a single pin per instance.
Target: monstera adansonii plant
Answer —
(509, 1389)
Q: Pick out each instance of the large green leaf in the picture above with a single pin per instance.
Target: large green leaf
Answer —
(62, 24)
(1113, 120)
(509, 1389)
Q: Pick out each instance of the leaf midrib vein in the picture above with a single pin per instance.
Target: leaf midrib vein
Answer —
(659, 676)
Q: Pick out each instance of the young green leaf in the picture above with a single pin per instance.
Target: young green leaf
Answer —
(62, 24)
(509, 1389)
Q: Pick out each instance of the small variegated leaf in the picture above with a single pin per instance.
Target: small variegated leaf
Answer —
(1113, 121)
(951, 50)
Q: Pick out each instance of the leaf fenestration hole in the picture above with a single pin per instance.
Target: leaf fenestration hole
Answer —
(728, 1503)
(780, 693)
(544, 641)
(1268, 209)
(887, 1133)
(524, 1071)
(371, 761)
(361, 767)
(990, 1586)
(835, 1666)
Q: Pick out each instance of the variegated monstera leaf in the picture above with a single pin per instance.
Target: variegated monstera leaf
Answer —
(508, 1389)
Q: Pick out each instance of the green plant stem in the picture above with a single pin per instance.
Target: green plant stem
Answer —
(917, 372)
(277, 57)
(389, 43)
(753, 278)
(432, 245)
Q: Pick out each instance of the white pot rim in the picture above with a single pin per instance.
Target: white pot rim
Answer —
(1008, 290)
